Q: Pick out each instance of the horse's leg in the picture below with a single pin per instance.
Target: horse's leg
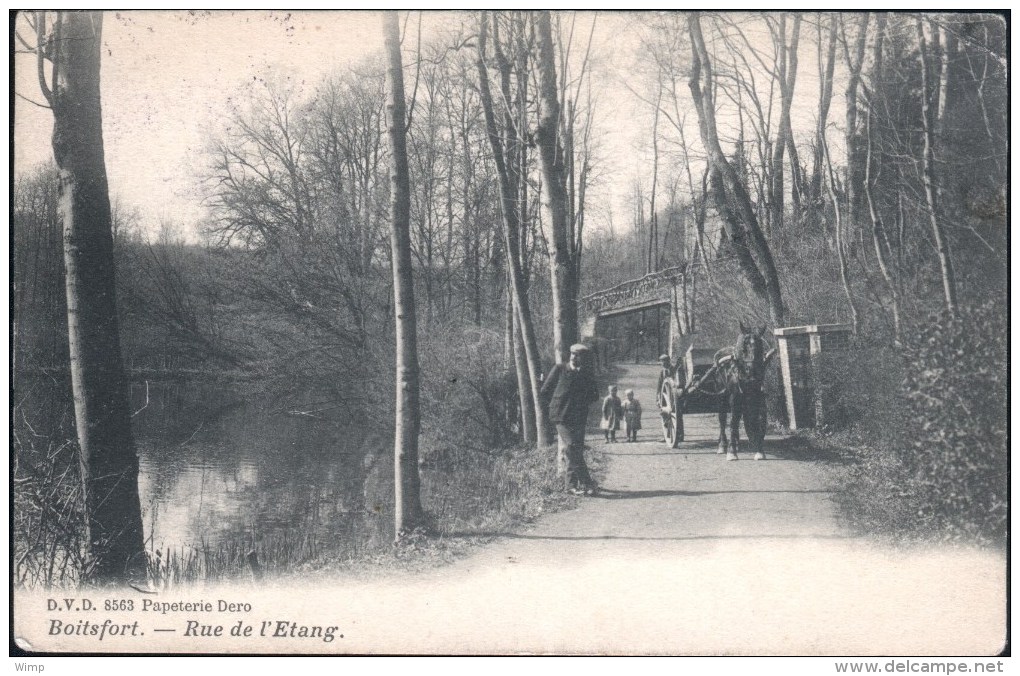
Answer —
(734, 426)
(723, 447)
(754, 424)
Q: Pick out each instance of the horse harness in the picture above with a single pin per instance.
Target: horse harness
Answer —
(750, 374)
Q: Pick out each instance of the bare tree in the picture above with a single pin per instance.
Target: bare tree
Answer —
(745, 234)
(554, 197)
(653, 234)
(507, 170)
(408, 511)
(576, 124)
(72, 42)
(826, 69)
(879, 236)
(855, 64)
(928, 172)
(844, 273)
(786, 75)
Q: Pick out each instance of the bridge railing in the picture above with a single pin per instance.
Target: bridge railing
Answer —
(653, 286)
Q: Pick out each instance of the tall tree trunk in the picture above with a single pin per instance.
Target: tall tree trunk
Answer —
(554, 196)
(796, 173)
(735, 204)
(508, 326)
(952, 48)
(879, 236)
(844, 274)
(511, 237)
(854, 174)
(777, 191)
(653, 233)
(639, 221)
(788, 84)
(109, 464)
(928, 175)
(472, 265)
(529, 429)
(515, 359)
(787, 77)
(826, 68)
(408, 511)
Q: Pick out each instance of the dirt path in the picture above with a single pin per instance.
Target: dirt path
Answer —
(686, 553)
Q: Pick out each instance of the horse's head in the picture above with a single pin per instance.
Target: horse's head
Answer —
(750, 345)
(749, 354)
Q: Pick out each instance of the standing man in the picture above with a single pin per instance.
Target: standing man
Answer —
(570, 390)
(665, 372)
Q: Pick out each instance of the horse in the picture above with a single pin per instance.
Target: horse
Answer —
(741, 380)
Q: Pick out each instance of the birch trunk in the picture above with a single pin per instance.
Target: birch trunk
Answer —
(529, 430)
(787, 77)
(826, 69)
(407, 510)
(855, 64)
(109, 465)
(511, 238)
(554, 197)
(653, 234)
(844, 273)
(928, 176)
(878, 235)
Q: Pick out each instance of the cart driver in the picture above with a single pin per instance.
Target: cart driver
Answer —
(665, 372)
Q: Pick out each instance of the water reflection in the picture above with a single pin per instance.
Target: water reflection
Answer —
(215, 467)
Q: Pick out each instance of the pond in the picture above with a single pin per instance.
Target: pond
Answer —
(217, 468)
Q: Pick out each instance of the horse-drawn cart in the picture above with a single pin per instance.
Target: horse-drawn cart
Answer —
(729, 380)
(680, 392)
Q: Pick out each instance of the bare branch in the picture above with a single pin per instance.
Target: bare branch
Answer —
(40, 33)
(34, 103)
(417, 78)
(55, 47)
(962, 37)
(584, 63)
(29, 49)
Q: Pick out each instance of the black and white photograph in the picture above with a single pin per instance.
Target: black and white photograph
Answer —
(511, 332)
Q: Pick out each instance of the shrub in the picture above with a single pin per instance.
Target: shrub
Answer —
(927, 427)
(468, 400)
(956, 394)
(861, 391)
(47, 515)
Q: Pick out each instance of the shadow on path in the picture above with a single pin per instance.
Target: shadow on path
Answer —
(796, 448)
(613, 494)
(800, 448)
(678, 538)
(677, 452)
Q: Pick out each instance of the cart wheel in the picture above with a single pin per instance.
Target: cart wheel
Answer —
(672, 416)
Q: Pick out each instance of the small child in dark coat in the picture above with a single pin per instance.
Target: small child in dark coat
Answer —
(632, 415)
(612, 413)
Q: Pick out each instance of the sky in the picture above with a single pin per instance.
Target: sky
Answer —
(167, 78)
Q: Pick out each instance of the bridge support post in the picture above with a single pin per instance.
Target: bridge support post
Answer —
(676, 331)
(800, 350)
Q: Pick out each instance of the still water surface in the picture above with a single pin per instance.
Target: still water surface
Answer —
(216, 467)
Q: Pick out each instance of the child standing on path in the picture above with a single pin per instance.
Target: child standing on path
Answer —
(632, 415)
(612, 412)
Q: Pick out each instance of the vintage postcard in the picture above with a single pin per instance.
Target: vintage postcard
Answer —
(514, 332)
